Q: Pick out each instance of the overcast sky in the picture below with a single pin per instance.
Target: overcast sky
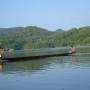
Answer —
(49, 14)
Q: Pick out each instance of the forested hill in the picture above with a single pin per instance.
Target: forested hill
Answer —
(36, 37)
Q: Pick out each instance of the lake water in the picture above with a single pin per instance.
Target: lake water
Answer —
(53, 73)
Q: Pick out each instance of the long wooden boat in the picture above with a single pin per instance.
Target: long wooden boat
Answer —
(32, 57)
(18, 56)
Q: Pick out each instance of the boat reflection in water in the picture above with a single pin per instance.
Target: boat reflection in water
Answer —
(53, 73)
(36, 64)
(1, 67)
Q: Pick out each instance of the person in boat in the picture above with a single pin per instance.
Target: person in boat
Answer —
(1, 51)
(72, 50)
(0, 55)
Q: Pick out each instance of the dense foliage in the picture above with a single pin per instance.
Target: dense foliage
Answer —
(35, 37)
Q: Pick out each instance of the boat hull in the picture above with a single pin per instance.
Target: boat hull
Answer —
(32, 57)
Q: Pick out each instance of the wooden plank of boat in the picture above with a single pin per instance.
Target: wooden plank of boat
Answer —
(32, 57)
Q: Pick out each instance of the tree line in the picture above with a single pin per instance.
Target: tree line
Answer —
(35, 37)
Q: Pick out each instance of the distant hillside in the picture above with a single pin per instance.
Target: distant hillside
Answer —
(36, 37)
(59, 30)
(32, 30)
(80, 36)
(19, 36)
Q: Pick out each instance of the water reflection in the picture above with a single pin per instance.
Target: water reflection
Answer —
(73, 58)
(1, 67)
(46, 64)
(54, 73)
(25, 66)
